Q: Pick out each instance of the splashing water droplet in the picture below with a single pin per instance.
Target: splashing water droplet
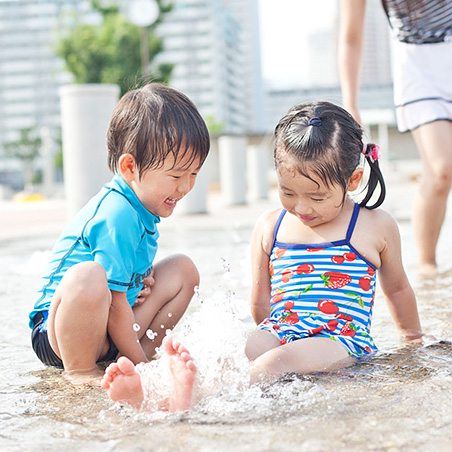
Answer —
(151, 335)
(136, 327)
(162, 326)
(169, 314)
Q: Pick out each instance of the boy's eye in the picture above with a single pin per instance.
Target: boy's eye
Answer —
(317, 199)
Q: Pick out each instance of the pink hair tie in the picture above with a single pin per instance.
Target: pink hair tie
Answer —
(373, 153)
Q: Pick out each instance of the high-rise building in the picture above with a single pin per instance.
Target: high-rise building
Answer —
(214, 46)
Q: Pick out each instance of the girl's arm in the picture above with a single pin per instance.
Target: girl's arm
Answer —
(352, 14)
(260, 258)
(120, 328)
(397, 290)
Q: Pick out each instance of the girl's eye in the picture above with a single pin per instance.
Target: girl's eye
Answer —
(317, 199)
(287, 194)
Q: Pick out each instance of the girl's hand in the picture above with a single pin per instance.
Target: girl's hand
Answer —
(148, 282)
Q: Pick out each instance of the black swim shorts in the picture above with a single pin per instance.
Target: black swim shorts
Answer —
(44, 351)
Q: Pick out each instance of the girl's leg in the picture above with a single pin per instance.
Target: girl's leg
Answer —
(434, 142)
(175, 279)
(259, 342)
(77, 324)
(123, 383)
(304, 356)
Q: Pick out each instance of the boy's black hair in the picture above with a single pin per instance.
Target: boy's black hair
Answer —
(325, 140)
(153, 122)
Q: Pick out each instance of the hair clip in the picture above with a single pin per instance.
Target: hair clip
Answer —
(315, 121)
(373, 153)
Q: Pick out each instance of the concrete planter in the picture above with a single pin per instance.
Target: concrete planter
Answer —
(85, 115)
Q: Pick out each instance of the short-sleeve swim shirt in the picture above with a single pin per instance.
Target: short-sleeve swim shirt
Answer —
(113, 229)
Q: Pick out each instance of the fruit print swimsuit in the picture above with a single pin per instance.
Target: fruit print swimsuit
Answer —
(322, 290)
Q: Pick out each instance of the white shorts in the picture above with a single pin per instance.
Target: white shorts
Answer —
(422, 83)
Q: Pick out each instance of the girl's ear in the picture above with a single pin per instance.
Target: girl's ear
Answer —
(355, 179)
(127, 167)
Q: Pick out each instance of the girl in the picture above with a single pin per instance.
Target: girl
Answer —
(314, 262)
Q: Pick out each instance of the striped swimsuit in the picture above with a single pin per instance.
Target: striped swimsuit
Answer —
(322, 290)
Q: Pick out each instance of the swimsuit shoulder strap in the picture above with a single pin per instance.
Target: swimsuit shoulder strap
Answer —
(277, 225)
(351, 226)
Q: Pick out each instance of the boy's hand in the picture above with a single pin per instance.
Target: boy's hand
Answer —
(148, 282)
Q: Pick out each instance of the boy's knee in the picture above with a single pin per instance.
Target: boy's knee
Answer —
(86, 280)
(188, 268)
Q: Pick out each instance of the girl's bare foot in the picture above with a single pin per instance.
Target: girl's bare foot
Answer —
(183, 374)
(123, 382)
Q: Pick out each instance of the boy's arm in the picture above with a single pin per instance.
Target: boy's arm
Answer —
(352, 15)
(260, 258)
(398, 292)
(120, 328)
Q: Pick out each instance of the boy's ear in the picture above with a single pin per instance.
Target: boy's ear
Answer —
(127, 167)
(355, 179)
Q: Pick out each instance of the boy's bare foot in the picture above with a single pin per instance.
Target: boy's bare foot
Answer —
(183, 374)
(123, 382)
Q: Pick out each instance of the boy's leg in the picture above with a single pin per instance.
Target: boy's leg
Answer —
(310, 355)
(78, 316)
(175, 279)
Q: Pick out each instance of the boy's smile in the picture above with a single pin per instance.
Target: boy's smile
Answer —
(160, 189)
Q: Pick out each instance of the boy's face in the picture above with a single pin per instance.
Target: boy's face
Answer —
(159, 190)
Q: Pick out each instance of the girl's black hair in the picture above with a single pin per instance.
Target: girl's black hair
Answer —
(325, 140)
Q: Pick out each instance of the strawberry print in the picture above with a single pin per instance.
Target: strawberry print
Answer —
(286, 275)
(278, 295)
(350, 257)
(337, 259)
(370, 271)
(271, 270)
(304, 269)
(289, 304)
(365, 282)
(327, 306)
(279, 252)
(349, 329)
(276, 327)
(283, 341)
(313, 250)
(289, 318)
(335, 280)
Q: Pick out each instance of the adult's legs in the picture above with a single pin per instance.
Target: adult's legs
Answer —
(175, 279)
(78, 316)
(434, 141)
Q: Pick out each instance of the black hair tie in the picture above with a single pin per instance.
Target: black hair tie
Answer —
(315, 121)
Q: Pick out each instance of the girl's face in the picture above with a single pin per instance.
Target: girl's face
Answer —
(313, 203)
(159, 190)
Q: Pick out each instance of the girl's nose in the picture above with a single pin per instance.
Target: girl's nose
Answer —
(302, 207)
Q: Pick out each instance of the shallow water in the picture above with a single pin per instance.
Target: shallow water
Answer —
(400, 400)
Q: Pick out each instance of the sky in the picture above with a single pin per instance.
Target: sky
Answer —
(285, 25)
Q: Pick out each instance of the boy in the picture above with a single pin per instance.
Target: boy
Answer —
(101, 292)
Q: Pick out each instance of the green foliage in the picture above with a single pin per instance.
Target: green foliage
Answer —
(110, 53)
(215, 127)
(26, 148)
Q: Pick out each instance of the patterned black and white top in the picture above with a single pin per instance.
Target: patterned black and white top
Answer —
(420, 21)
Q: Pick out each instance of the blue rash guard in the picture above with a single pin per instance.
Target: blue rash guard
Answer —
(113, 229)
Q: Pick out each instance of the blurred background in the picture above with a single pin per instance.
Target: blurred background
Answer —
(244, 63)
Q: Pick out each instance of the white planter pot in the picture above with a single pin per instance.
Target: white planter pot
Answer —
(85, 115)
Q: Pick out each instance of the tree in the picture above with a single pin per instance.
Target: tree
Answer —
(25, 149)
(110, 53)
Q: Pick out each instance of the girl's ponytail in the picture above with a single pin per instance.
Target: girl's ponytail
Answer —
(371, 154)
